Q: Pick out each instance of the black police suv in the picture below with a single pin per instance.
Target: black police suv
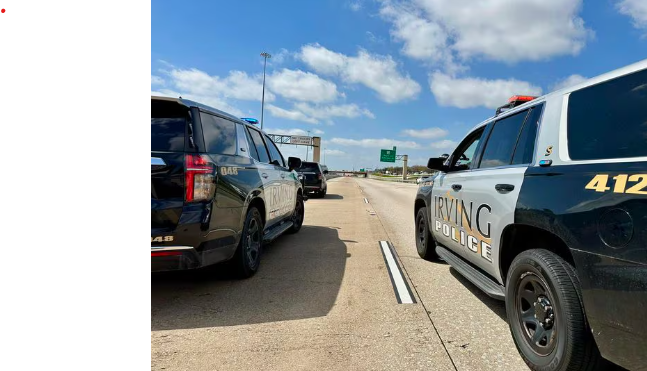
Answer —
(314, 178)
(220, 188)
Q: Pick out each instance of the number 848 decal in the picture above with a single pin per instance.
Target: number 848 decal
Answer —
(622, 183)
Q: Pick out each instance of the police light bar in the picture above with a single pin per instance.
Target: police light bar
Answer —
(250, 120)
(521, 98)
(514, 101)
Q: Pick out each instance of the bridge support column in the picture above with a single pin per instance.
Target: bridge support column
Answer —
(316, 149)
(405, 158)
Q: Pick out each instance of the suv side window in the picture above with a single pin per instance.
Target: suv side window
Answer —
(253, 153)
(607, 120)
(502, 141)
(219, 134)
(464, 154)
(260, 146)
(526, 143)
(243, 140)
(275, 154)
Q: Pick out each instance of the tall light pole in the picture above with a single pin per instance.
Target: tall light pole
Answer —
(265, 55)
(324, 155)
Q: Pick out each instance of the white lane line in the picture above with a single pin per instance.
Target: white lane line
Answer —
(365, 200)
(402, 292)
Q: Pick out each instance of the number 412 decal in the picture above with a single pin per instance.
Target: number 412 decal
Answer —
(599, 183)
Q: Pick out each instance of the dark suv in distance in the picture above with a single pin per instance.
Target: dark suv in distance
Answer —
(220, 188)
(314, 178)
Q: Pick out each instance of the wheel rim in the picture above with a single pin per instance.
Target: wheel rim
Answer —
(536, 314)
(253, 243)
(297, 216)
(421, 234)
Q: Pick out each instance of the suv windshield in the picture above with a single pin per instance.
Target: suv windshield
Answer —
(309, 167)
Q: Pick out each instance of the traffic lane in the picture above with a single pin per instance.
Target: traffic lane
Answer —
(472, 325)
(306, 308)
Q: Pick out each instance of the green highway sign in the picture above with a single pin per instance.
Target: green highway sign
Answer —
(387, 155)
(362, 170)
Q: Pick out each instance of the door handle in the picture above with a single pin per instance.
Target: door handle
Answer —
(456, 187)
(264, 175)
(504, 188)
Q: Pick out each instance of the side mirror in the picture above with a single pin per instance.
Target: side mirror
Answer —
(294, 163)
(326, 172)
(437, 164)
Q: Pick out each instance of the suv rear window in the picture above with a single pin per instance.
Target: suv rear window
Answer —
(309, 167)
(609, 120)
(168, 126)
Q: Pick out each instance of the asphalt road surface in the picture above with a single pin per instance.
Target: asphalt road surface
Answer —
(333, 297)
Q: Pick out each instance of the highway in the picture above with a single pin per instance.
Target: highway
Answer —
(328, 298)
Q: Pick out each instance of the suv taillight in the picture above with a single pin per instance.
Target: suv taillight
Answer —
(199, 178)
(319, 176)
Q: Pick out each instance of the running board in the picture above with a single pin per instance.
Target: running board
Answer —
(478, 278)
(277, 231)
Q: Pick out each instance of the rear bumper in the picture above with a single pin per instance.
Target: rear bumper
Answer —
(313, 185)
(189, 247)
(168, 258)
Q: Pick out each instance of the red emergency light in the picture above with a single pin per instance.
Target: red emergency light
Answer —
(514, 101)
(521, 98)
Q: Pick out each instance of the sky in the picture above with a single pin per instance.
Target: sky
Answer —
(366, 75)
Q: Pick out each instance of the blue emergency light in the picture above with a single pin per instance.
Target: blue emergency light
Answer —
(250, 120)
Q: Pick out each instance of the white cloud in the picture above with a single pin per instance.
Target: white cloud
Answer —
(326, 112)
(156, 80)
(473, 92)
(444, 144)
(429, 133)
(335, 152)
(290, 115)
(568, 82)
(374, 39)
(279, 58)
(286, 131)
(237, 84)
(209, 100)
(302, 86)
(423, 39)
(637, 10)
(501, 30)
(355, 6)
(314, 113)
(379, 73)
(375, 143)
(294, 131)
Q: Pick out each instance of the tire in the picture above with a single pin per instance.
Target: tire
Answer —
(323, 193)
(546, 288)
(248, 254)
(297, 215)
(425, 243)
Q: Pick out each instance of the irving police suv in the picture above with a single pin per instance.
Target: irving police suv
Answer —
(219, 188)
(545, 206)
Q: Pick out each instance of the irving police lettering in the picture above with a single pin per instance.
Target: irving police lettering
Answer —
(457, 221)
(280, 199)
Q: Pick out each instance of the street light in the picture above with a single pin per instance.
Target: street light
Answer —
(265, 55)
